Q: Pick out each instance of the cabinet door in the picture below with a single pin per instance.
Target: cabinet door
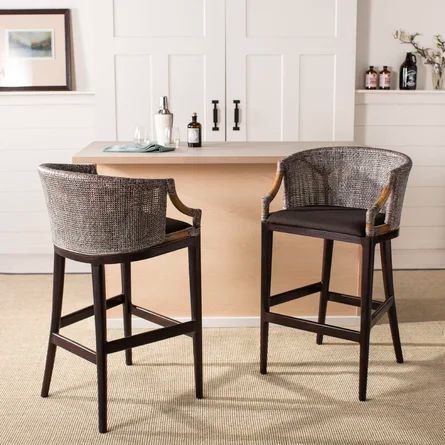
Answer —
(291, 64)
(151, 48)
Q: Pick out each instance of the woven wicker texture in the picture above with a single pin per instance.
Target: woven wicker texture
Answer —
(349, 177)
(99, 215)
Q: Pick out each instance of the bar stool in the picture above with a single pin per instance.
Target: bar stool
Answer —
(107, 220)
(349, 194)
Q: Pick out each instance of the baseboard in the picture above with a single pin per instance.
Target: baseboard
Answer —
(232, 322)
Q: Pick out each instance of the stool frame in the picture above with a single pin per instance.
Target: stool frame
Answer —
(170, 327)
(371, 311)
(188, 238)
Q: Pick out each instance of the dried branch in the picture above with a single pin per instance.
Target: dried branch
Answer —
(429, 55)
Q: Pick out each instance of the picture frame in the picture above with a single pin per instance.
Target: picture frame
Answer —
(35, 50)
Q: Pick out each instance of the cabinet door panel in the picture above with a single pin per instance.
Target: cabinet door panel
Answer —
(159, 18)
(290, 18)
(186, 92)
(316, 110)
(303, 54)
(154, 48)
(133, 104)
(264, 112)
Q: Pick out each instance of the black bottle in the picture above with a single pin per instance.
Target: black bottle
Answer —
(194, 132)
(408, 73)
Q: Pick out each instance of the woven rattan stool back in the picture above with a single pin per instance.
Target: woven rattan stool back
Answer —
(101, 215)
(346, 176)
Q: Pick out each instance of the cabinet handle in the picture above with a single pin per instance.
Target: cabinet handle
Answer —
(215, 115)
(236, 115)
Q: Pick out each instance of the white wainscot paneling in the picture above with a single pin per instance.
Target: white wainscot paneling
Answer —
(390, 135)
(35, 128)
(412, 123)
(426, 115)
(420, 197)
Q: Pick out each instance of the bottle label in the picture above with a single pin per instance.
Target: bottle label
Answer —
(371, 80)
(411, 78)
(385, 80)
(193, 135)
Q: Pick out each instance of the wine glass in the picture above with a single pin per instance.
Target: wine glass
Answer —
(148, 139)
(142, 135)
(176, 136)
(138, 136)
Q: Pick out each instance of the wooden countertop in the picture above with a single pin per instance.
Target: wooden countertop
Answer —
(211, 153)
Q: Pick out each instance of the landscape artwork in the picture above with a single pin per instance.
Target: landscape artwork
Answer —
(27, 43)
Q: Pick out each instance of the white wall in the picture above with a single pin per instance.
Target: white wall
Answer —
(412, 123)
(36, 128)
(378, 19)
(70, 125)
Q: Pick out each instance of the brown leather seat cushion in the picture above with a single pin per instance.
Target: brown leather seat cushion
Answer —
(173, 225)
(329, 218)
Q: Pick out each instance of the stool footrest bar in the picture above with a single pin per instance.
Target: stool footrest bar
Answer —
(383, 309)
(150, 337)
(87, 312)
(154, 317)
(295, 293)
(351, 300)
(312, 326)
(74, 347)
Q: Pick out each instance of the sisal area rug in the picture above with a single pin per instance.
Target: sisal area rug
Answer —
(309, 396)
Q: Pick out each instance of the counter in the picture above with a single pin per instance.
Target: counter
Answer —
(211, 153)
(227, 181)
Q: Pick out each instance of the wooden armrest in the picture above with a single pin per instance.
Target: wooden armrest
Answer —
(271, 195)
(371, 228)
(174, 198)
(381, 200)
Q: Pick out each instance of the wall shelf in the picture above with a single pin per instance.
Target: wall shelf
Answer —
(47, 93)
(402, 92)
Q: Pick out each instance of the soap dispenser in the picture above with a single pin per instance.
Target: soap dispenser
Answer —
(163, 123)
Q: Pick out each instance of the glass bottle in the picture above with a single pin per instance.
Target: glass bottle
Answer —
(385, 79)
(408, 73)
(194, 132)
(371, 79)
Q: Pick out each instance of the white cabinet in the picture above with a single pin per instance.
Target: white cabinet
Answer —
(152, 48)
(289, 63)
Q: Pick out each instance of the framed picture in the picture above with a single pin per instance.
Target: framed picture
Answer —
(35, 49)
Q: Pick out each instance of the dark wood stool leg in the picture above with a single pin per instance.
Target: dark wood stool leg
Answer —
(101, 338)
(325, 279)
(194, 253)
(266, 272)
(386, 255)
(126, 290)
(368, 248)
(58, 281)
